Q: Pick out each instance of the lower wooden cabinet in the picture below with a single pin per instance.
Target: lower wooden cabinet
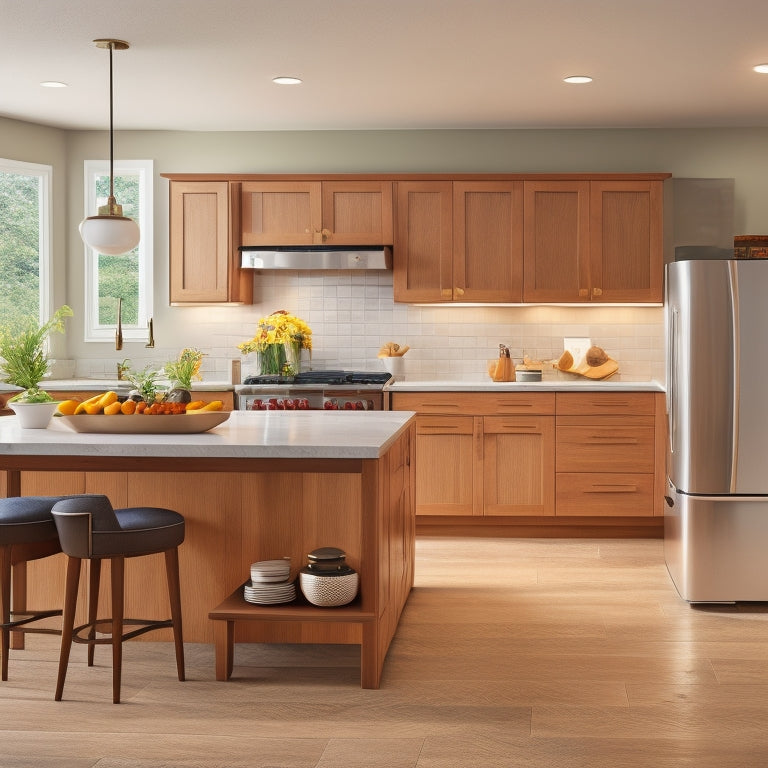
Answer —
(518, 465)
(483, 464)
(538, 455)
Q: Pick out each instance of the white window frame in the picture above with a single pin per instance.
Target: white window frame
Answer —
(134, 332)
(45, 208)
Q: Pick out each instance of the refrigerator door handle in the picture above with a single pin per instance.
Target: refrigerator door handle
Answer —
(672, 378)
(733, 285)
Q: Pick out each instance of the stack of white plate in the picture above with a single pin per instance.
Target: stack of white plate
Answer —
(270, 583)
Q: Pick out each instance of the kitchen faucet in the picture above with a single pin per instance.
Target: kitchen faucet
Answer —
(119, 331)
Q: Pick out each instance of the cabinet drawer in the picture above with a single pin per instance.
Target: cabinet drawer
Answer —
(596, 403)
(605, 449)
(598, 494)
(475, 403)
(444, 425)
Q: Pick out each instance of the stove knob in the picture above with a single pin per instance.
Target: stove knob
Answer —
(302, 404)
(255, 405)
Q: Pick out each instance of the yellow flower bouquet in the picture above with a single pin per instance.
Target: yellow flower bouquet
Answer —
(278, 341)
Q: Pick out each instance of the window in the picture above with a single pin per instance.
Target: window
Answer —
(127, 277)
(25, 242)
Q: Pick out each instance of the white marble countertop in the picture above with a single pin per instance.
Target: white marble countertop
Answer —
(245, 435)
(548, 385)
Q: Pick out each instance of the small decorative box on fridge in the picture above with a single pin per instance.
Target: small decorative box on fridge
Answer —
(750, 247)
(327, 580)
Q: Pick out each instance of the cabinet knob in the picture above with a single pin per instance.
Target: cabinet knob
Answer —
(458, 291)
(597, 291)
(321, 235)
(583, 293)
(446, 293)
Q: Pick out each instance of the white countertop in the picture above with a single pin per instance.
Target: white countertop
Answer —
(548, 385)
(245, 435)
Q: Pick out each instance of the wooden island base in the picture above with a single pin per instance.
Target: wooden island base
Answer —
(236, 609)
(239, 510)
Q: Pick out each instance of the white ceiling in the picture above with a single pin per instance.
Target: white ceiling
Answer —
(207, 65)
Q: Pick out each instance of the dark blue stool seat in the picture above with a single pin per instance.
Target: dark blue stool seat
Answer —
(27, 532)
(90, 529)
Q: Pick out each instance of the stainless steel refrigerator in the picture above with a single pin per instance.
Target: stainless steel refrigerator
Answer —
(716, 513)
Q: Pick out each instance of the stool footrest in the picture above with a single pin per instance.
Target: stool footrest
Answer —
(144, 626)
(25, 617)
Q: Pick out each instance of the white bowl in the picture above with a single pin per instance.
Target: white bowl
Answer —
(34, 415)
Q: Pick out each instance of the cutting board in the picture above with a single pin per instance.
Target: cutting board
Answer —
(608, 368)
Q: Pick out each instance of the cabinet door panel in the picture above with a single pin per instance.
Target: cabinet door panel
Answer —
(445, 465)
(626, 247)
(199, 242)
(281, 212)
(488, 241)
(422, 259)
(556, 263)
(358, 212)
(518, 465)
(585, 494)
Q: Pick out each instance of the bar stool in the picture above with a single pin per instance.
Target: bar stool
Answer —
(27, 532)
(90, 529)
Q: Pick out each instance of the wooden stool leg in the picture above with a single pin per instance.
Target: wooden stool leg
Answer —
(174, 595)
(68, 621)
(118, 585)
(5, 606)
(18, 599)
(94, 580)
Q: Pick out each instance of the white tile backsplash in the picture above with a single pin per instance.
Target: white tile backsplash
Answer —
(352, 315)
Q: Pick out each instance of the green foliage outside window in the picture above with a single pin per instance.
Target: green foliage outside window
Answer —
(119, 275)
(19, 249)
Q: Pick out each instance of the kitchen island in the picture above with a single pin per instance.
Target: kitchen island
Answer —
(262, 485)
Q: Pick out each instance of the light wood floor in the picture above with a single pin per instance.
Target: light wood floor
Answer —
(551, 653)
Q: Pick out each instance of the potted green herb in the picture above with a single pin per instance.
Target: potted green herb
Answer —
(25, 362)
(181, 373)
(144, 382)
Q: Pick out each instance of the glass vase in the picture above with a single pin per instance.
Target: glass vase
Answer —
(293, 357)
(271, 359)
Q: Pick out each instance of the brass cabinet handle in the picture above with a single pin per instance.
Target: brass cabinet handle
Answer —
(612, 488)
(597, 292)
(583, 292)
(458, 291)
(446, 293)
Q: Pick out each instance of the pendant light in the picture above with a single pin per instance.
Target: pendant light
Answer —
(110, 232)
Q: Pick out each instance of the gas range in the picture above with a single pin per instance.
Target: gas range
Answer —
(314, 390)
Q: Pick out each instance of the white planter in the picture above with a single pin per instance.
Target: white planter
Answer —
(33, 415)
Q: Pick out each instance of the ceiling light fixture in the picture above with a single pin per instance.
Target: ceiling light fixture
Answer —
(761, 68)
(578, 79)
(53, 84)
(110, 232)
(283, 80)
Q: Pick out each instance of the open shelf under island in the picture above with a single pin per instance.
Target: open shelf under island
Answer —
(260, 486)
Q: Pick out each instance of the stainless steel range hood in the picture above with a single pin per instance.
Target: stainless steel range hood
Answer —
(315, 257)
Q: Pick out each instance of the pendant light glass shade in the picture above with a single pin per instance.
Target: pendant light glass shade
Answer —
(110, 232)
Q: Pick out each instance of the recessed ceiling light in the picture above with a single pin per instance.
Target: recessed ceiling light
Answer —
(761, 68)
(577, 79)
(53, 84)
(286, 80)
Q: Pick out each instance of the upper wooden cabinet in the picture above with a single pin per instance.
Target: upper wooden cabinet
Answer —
(593, 241)
(306, 212)
(459, 241)
(204, 261)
